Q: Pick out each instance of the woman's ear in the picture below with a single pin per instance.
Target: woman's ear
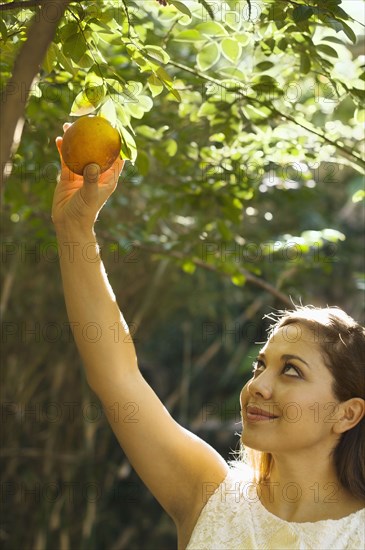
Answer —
(350, 413)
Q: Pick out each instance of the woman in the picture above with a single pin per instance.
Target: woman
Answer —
(302, 411)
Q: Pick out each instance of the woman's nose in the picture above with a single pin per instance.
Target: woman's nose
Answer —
(260, 386)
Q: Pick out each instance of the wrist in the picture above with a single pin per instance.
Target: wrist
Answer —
(71, 231)
(77, 245)
(73, 227)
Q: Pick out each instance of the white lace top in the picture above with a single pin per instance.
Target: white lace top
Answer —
(234, 519)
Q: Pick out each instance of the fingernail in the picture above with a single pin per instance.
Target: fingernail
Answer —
(91, 173)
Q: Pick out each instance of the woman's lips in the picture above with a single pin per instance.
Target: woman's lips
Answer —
(255, 414)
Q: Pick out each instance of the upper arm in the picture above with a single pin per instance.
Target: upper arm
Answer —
(171, 461)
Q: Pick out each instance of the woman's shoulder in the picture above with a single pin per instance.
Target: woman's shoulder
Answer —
(233, 493)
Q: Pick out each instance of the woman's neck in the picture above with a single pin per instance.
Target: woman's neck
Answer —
(302, 491)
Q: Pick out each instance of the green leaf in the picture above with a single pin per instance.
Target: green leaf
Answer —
(109, 111)
(333, 39)
(135, 110)
(224, 231)
(74, 47)
(123, 117)
(82, 105)
(171, 147)
(359, 116)
(211, 28)
(181, 7)
(167, 80)
(302, 13)
(264, 66)
(254, 113)
(333, 235)
(208, 56)
(65, 62)
(131, 91)
(191, 35)
(85, 61)
(93, 79)
(233, 74)
(3, 30)
(334, 24)
(146, 102)
(175, 95)
(305, 63)
(238, 280)
(189, 267)
(326, 49)
(151, 133)
(360, 93)
(234, 20)
(50, 58)
(140, 106)
(208, 7)
(243, 38)
(349, 32)
(231, 49)
(158, 53)
(95, 94)
(164, 76)
(155, 85)
(207, 109)
(129, 147)
(339, 12)
(67, 30)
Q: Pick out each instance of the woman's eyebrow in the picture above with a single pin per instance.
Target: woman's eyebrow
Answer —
(286, 357)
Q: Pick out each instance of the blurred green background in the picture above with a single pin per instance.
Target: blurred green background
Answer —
(228, 213)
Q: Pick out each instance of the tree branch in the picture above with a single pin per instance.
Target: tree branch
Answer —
(22, 5)
(308, 127)
(26, 67)
(250, 278)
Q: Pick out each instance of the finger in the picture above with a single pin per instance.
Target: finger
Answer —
(120, 164)
(91, 174)
(66, 126)
(58, 141)
(59, 148)
(111, 176)
(89, 190)
(117, 167)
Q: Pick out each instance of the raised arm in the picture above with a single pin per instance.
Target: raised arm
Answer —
(171, 461)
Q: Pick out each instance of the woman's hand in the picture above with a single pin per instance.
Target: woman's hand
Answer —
(78, 199)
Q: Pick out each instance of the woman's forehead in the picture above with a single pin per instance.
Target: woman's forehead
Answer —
(293, 335)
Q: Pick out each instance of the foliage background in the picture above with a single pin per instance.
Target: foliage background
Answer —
(245, 194)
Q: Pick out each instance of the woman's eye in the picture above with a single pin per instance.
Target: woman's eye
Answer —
(259, 366)
(292, 370)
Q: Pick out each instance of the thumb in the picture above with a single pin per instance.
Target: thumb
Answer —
(89, 190)
(91, 174)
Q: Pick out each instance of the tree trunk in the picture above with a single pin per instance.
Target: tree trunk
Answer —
(26, 67)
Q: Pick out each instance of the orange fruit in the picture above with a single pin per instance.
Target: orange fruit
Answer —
(90, 139)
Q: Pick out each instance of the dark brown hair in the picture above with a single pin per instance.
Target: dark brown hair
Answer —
(342, 343)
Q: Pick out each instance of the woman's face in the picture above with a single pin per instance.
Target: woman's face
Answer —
(288, 405)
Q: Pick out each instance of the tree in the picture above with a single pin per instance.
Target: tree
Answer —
(257, 83)
(243, 191)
